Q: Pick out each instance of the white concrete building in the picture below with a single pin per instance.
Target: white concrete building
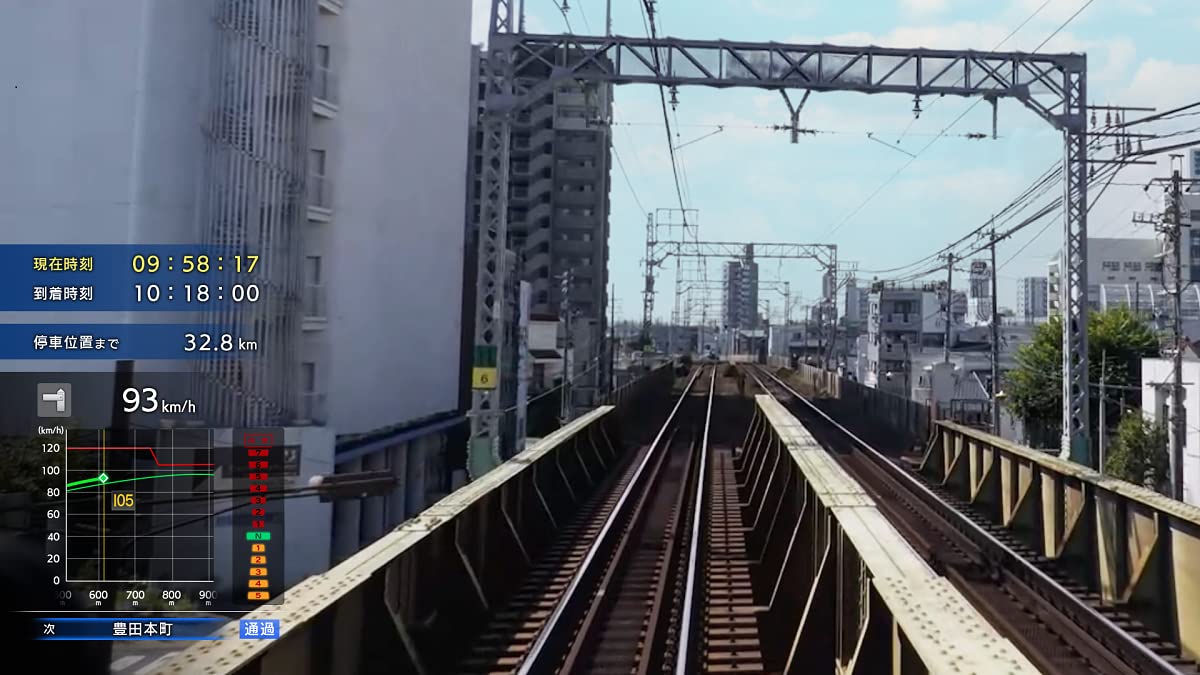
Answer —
(1157, 384)
(384, 236)
(336, 151)
(1120, 271)
(979, 294)
(1032, 299)
(901, 322)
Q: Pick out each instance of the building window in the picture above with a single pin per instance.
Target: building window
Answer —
(1133, 266)
(308, 377)
(312, 270)
(1111, 265)
(323, 56)
(316, 162)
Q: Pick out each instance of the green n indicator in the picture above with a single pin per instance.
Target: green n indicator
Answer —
(258, 536)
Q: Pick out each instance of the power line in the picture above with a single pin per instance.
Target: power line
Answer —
(652, 33)
(627, 181)
(1064, 24)
(942, 133)
(998, 46)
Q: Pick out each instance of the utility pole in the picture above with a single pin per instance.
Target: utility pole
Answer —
(787, 303)
(949, 303)
(995, 340)
(1177, 415)
(1171, 224)
(1103, 401)
(612, 345)
(564, 312)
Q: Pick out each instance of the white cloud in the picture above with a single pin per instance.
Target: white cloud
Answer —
(925, 6)
(1162, 84)
(1137, 7)
(785, 9)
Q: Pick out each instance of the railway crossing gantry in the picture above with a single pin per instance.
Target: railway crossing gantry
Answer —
(520, 68)
(658, 251)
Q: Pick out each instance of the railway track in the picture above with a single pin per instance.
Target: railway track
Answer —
(1059, 624)
(617, 591)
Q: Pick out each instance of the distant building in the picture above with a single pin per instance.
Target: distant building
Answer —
(1032, 299)
(1119, 272)
(979, 294)
(901, 322)
(858, 301)
(558, 210)
(741, 293)
(1157, 383)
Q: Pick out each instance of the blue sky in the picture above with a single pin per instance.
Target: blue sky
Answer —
(751, 184)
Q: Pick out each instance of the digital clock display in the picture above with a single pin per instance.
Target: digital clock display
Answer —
(200, 264)
(237, 293)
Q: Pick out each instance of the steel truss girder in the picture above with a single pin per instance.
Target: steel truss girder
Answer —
(1052, 85)
(1040, 81)
(824, 254)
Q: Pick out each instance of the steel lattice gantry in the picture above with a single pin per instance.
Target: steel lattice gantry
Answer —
(658, 251)
(523, 67)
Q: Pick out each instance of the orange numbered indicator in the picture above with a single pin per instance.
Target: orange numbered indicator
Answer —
(258, 560)
(258, 548)
(258, 571)
(259, 583)
(258, 595)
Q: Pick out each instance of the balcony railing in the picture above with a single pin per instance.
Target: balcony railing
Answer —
(325, 86)
(312, 407)
(320, 191)
(314, 301)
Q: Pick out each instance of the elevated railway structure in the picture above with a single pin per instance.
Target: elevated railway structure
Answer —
(1055, 620)
(725, 521)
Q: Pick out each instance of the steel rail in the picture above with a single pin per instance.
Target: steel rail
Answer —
(583, 635)
(685, 654)
(1113, 637)
(539, 655)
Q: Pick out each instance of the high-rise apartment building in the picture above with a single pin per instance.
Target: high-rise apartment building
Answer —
(557, 211)
(1032, 298)
(741, 293)
(281, 127)
(383, 240)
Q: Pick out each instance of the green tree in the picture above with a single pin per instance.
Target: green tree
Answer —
(1117, 342)
(1139, 452)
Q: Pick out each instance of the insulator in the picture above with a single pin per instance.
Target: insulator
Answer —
(1093, 119)
(1108, 119)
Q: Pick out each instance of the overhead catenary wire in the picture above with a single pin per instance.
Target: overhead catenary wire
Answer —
(999, 44)
(934, 140)
(652, 33)
(1040, 186)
